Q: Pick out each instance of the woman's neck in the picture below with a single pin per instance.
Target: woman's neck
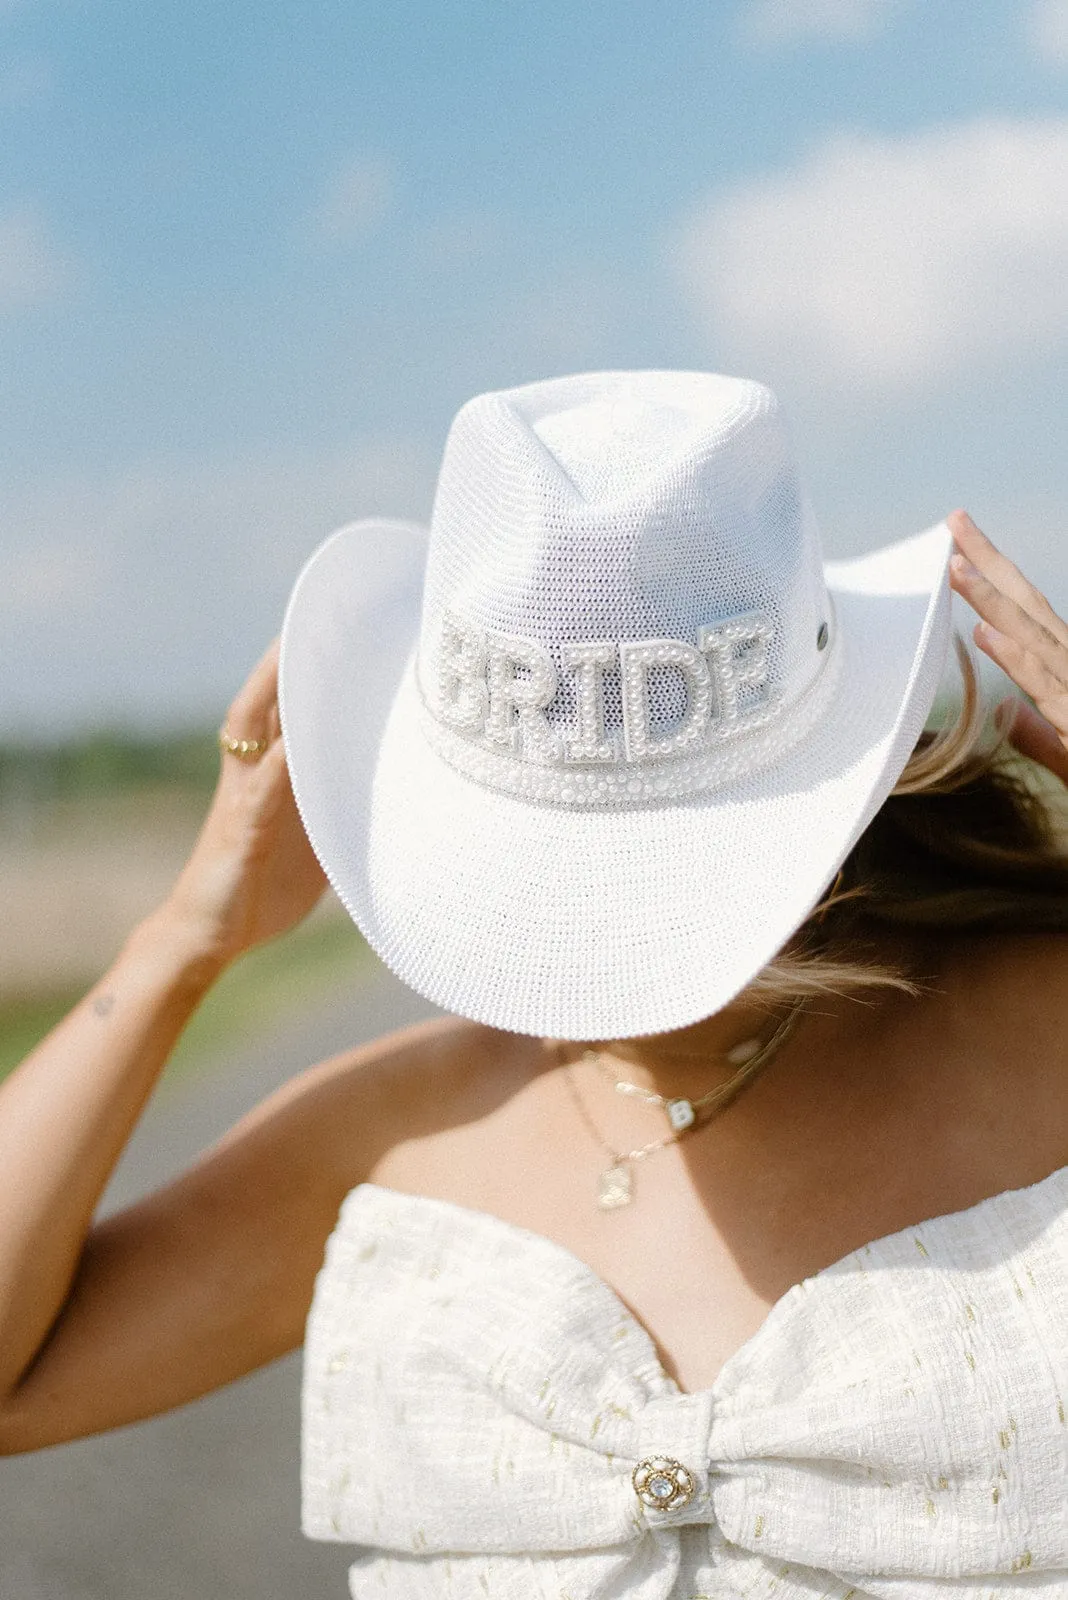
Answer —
(689, 1061)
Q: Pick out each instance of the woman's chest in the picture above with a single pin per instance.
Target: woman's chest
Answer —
(722, 1223)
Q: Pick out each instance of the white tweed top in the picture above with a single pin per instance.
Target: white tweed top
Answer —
(476, 1401)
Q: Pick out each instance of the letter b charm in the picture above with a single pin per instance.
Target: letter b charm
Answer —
(681, 1114)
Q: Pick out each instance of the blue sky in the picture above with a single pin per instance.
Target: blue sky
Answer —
(253, 257)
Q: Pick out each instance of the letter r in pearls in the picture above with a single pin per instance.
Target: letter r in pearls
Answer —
(516, 715)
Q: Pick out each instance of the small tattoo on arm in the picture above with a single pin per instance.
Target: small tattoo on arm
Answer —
(103, 1004)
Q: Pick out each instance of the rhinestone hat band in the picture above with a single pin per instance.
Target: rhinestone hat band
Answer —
(485, 698)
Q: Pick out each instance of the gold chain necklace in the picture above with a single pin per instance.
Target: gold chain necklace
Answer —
(615, 1185)
(682, 1113)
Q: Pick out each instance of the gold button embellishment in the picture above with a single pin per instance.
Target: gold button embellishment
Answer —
(662, 1484)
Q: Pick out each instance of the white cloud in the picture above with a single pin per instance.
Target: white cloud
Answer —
(775, 22)
(1049, 31)
(356, 200)
(887, 261)
(31, 268)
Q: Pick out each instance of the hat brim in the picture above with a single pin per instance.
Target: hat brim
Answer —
(580, 924)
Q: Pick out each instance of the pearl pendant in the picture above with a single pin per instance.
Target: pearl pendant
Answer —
(615, 1187)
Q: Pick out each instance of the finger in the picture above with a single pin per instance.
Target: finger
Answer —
(253, 711)
(1004, 574)
(1033, 736)
(1028, 673)
(1006, 617)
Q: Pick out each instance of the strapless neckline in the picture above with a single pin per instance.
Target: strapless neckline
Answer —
(473, 1218)
(479, 1406)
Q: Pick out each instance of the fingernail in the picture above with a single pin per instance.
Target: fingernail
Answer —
(963, 567)
(1005, 713)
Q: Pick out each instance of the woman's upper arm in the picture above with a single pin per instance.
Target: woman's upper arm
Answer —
(212, 1276)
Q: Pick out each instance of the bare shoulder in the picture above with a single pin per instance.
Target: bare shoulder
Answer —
(212, 1276)
(1007, 997)
(1015, 977)
(341, 1118)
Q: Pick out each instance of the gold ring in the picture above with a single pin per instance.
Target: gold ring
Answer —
(243, 749)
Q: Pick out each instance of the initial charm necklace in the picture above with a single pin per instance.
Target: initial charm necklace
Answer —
(615, 1185)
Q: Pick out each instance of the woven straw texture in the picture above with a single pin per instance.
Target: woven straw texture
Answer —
(476, 1400)
(627, 509)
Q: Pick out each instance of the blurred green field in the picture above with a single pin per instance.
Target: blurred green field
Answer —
(257, 991)
(105, 762)
(91, 832)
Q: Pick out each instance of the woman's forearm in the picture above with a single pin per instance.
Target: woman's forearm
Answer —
(67, 1111)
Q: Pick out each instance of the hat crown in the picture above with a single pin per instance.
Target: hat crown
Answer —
(620, 505)
(620, 509)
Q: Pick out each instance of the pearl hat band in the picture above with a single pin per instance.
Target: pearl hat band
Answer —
(580, 757)
(507, 744)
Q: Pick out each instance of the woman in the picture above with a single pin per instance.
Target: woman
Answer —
(594, 1321)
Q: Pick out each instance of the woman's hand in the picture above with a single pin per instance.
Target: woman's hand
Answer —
(1020, 630)
(252, 873)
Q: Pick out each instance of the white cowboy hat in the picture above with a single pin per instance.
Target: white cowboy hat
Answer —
(579, 762)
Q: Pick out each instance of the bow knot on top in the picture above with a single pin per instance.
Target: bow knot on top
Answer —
(483, 1415)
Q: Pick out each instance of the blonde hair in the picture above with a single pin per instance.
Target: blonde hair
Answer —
(969, 839)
